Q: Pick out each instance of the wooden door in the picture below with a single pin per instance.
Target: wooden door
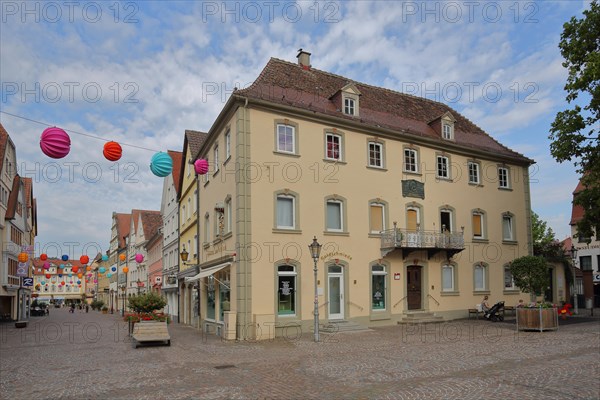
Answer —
(413, 287)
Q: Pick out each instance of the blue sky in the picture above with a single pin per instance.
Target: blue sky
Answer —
(143, 72)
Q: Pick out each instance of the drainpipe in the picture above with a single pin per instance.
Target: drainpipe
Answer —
(245, 221)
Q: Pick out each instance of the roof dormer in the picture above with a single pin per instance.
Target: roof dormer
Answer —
(347, 100)
(444, 125)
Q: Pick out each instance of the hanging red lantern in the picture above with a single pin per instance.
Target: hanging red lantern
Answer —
(201, 166)
(75, 268)
(55, 143)
(84, 259)
(43, 256)
(112, 151)
(23, 257)
(48, 276)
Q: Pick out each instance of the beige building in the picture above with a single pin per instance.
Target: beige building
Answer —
(417, 209)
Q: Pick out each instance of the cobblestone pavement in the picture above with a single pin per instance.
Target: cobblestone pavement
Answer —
(89, 356)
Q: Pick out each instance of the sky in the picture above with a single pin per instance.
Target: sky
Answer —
(141, 73)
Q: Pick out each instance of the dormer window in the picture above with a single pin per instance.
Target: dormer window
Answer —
(447, 131)
(349, 106)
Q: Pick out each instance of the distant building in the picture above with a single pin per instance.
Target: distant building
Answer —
(63, 280)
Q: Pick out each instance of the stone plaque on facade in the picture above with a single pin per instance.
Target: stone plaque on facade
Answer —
(413, 188)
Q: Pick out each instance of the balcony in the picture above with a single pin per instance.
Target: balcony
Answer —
(433, 242)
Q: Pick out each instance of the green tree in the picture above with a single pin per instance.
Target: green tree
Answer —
(543, 235)
(574, 132)
(530, 274)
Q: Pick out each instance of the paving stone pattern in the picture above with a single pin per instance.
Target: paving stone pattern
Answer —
(89, 356)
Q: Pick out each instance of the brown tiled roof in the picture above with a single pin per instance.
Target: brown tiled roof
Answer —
(151, 221)
(123, 223)
(177, 171)
(3, 143)
(289, 84)
(28, 183)
(577, 211)
(13, 198)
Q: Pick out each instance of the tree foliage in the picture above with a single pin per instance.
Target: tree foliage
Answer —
(530, 274)
(574, 132)
(147, 302)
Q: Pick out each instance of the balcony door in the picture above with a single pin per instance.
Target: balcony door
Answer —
(412, 220)
(445, 221)
(413, 287)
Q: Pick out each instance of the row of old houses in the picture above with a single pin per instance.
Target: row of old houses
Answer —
(417, 210)
(18, 229)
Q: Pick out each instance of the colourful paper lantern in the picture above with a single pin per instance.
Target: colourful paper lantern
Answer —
(65, 257)
(46, 265)
(23, 257)
(139, 258)
(201, 166)
(125, 269)
(161, 164)
(43, 282)
(84, 259)
(60, 275)
(48, 276)
(88, 268)
(102, 270)
(80, 275)
(112, 151)
(43, 256)
(75, 268)
(104, 257)
(108, 275)
(122, 257)
(114, 269)
(79, 282)
(55, 143)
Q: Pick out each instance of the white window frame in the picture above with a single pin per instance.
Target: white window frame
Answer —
(447, 131)
(293, 198)
(349, 106)
(411, 153)
(442, 161)
(512, 280)
(503, 178)
(339, 138)
(383, 273)
(228, 215)
(227, 144)
(293, 274)
(511, 219)
(216, 158)
(378, 146)
(452, 278)
(341, 215)
(473, 171)
(483, 268)
(279, 131)
(383, 225)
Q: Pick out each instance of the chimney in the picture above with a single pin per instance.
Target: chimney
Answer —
(303, 59)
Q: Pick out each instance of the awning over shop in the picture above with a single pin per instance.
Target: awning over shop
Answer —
(207, 272)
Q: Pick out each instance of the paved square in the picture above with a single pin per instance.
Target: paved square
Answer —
(89, 356)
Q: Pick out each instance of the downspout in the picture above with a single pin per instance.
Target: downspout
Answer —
(198, 248)
(178, 261)
(245, 241)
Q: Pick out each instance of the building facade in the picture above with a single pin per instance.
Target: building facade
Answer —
(417, 209)
(62, 280)
(154, 249)
(588, 255)
(169, 210)
(187, 197)
(117, 259)
(143, 225)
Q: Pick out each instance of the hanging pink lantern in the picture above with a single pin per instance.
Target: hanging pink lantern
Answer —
(201, 166)
(139, 258)
(46, 265)
(55, 143)
(112, 151)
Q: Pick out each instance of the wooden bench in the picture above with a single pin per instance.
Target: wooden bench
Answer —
(510, 309)
(151, 331)
(477, 310)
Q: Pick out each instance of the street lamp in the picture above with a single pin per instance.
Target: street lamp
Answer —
(315, 252)
(184, 255)
(574, 258)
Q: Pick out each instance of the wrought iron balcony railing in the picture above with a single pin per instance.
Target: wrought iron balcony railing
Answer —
(413, 240)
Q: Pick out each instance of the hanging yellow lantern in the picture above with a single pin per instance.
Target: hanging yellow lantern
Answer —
(23, 257)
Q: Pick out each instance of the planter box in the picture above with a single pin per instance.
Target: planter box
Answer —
(539, 319)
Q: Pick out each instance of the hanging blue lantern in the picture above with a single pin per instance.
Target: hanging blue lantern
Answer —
(104, 257)
(108, 275)
(114, 269)
(102, 270)
(161, 164)
(65, 257)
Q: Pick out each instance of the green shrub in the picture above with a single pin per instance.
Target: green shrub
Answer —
(147, 302)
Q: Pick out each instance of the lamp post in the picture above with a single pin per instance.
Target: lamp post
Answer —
(315, 252)
(574, 258)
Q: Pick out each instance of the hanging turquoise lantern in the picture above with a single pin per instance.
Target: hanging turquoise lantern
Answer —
(161, 164)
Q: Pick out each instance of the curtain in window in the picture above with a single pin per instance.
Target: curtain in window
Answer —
(479, 278)
(507, 228)
(376, 218)
(477, 225)
(447, 277)
(334, 215)
(411, 220)
(285, 212)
